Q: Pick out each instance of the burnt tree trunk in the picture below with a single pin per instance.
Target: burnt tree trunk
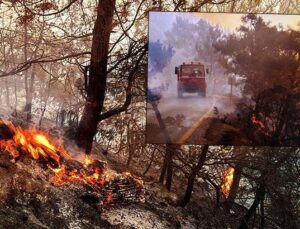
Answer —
(29, 93)
(239, 154)
(191, 180)
(97, 75)
(235, 183)
(28, 105)
(169, 174)
(29, 80)
(26, 108)
(234, 187)
(161, 123)
(131, 146)
(132, 140)
(151, 161)
(259, 196)
(7, 93)
(167, 168)
(262, 214)
(1, 96)
(43, 109)
(15, 92)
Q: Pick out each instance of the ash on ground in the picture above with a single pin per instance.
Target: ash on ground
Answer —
(29, 200)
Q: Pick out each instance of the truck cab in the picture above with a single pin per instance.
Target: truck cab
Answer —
(191, 78)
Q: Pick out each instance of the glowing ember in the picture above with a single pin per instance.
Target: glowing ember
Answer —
(66, 169)
(228, 180)
(109, 199)
(261, 126)
(87, 160)
(257, 122)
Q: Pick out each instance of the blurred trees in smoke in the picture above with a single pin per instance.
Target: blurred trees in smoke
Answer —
(159, 56)
(267, 57)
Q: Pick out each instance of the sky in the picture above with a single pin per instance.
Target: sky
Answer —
(232, 21)
(160, 22)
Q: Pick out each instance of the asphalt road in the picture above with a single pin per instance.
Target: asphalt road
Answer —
(192, 108)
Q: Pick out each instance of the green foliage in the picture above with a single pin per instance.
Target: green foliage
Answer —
(268, 57)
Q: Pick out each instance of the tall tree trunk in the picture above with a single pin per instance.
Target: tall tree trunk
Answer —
(160, 5)
(29, 80)
(27, 108)
(191, 180)
(7, 93)
(234, 188)
(167, 168)
(239, 155)
(1, 96)
(259, 196)
(169, 174)
(235, 183)
(131, 147)
(262, 214)
(29, 93)
(45, 102)
(43, 112)
(97, 75)
(232, 7)
(151, 161)
(283, 117)
(161, 123)
(16, 94)
(167, 165)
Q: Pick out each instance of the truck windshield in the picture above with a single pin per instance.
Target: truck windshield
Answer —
(192, 70)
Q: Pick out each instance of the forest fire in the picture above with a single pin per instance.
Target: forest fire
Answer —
(38, 145)
(33, 142)
(227, 182)
(257, 122)
(261, 127)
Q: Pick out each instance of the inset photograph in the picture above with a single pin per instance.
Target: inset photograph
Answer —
(223, 79)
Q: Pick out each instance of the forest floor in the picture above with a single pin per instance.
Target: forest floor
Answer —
(29, 200)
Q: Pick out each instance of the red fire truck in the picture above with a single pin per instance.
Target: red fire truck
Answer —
(191, 78)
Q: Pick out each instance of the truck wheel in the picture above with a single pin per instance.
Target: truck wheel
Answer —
(180, 93)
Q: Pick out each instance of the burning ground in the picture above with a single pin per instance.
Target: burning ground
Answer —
(37, 169)
(44, 186)
(29, 200)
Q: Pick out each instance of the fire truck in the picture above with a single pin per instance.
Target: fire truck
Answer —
(191, 78)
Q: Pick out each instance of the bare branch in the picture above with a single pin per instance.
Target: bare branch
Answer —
(24, 66)
(54, 13)
(128, 91)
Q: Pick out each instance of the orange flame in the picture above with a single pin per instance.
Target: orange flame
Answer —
(262, 127)
(228, 180)
(39, 146)
(66, 169)
(257, 122)
(34, 142)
